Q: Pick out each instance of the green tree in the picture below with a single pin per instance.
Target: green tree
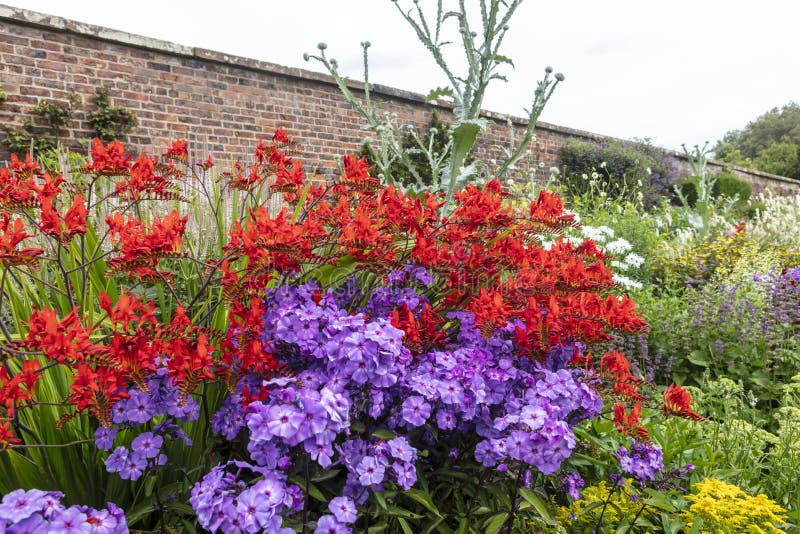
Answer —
(766, 143)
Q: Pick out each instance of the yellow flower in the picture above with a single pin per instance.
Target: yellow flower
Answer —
(725, 508)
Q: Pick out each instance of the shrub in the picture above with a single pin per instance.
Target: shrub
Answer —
(725, 184)
(110, 122)
(620, 165)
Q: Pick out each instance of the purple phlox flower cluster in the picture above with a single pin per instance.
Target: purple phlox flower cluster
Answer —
(160, 398)
(573, 482)
(331, 342)
(145, 453)
(524, 411)
(343, 513)
(642, 460)
(224, 503)
(294, 416)
(36, 511)
(229, 420)
(370, 465)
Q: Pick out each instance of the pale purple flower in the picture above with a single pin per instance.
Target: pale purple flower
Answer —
(370, 471)
(344, 509)
(147, 444)
(415, 410)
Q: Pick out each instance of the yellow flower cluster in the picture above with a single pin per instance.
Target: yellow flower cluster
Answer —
(724, 508)
(583, 515)
(733, 257)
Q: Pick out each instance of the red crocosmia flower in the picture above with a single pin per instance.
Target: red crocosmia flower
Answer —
(27, 168)
(97, 390)
(108, 160)
(140, 246)
(67, 341)
(16, 191)
(289, 179)
(63, 229)
(280, 136)
(179, 150)
(616, 363)
(677, 401)
(490, 311)
(207, 164)
(7, 437)
(630, 424)
(11, 235)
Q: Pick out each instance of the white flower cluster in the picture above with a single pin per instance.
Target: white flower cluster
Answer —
(621, 259)
(777, 221)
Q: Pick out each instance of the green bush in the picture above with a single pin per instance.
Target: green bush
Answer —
(621, 165)
(726, 184)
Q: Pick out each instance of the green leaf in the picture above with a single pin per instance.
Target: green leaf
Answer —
(383, 433)
(405, 526)
(698, 358)
(438, 92)
(537, 503)
(424, 499)
(495, 523)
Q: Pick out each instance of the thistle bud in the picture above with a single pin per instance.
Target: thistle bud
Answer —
(322, 46)
(548, 69)
(306, 57)
(559, 77)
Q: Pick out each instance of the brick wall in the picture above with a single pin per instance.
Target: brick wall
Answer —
(222, 104)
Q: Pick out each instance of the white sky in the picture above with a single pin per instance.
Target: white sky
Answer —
(678, 71)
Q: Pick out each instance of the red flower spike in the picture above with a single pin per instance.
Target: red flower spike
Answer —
(67, 341)
(677, 401)
(630, 424)
(179, 150)
(7, 437)
(11, 235)
(16, 190)
(108, 160)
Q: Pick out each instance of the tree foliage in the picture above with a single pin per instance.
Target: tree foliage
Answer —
(770, 143)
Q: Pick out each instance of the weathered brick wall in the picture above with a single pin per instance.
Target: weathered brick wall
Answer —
(222, 104)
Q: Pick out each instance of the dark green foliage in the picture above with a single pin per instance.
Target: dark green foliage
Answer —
(730, 185)
(766, 143)
(21, 140)
(437, 131)
(42, 137)
(110, 122)
(620, 165)
(3, 96)
(58, 115)
(782, 159)
(726, 184)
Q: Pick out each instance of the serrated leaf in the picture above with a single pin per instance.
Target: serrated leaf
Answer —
(503, 59)
(438, 92)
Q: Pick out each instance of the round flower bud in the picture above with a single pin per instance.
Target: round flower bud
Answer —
(306, 57)
(322, 46)
(559, 77)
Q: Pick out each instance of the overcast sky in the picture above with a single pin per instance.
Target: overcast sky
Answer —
(678, 71)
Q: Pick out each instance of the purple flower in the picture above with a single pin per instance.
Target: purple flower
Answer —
(134, 466)
(139, 408)
(415, 410)
(344, 509)
(116, 461)
(147, 444)
(70, 521)
(20, 504)
(104, 437)
(401, 450)
(643, 461)
(573, 482)
(254, 511)
(370, 471)
(405, 473)
(327, 524)
(283, 420)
